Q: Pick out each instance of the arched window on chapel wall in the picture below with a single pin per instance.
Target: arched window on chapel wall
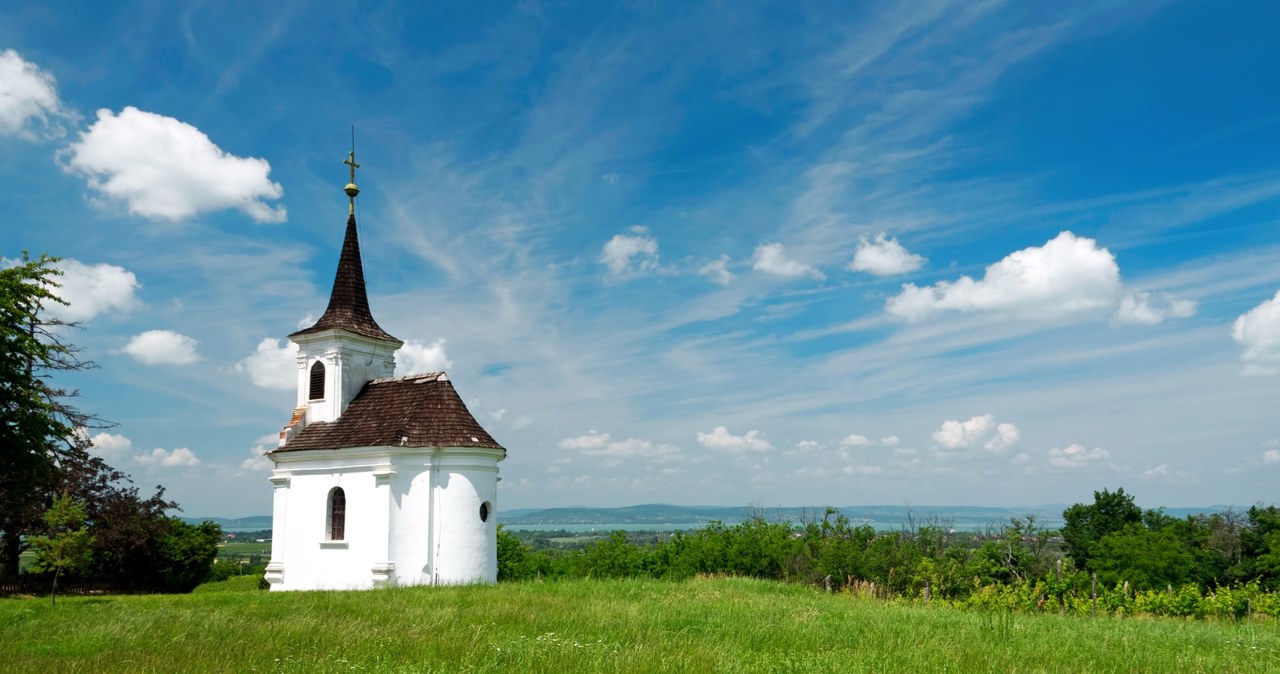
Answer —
(317, 381)
(337, 508)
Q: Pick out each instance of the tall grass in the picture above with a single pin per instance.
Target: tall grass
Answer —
(705, 625)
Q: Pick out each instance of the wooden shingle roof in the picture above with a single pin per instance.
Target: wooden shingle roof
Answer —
(421, 410)
(348, 303)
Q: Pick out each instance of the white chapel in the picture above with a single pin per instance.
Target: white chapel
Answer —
(379, 480)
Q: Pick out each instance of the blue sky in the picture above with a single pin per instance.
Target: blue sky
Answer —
(835, 253)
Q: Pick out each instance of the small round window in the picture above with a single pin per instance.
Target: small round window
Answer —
(484, 511)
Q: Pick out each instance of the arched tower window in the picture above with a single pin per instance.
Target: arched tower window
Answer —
(337, 514)
(317, 381)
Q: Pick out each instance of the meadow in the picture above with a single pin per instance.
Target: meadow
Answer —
(699, 625)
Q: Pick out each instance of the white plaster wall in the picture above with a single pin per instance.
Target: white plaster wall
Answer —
(467, 547)
(414, 507)
(309, 560)
(411, 522)
(350, 362)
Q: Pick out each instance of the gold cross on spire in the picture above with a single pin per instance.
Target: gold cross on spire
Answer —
(351, 188)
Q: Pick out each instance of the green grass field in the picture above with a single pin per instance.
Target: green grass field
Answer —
(705, 625)
(243, 548)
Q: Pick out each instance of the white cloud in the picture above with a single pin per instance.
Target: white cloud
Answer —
(771, 258)
(600, 444)
(884, 257)
(162, 347)
(591, 440)
(1068, 275)
(91, 290)
(1258, 331)
(978, 431)
(891, 441)
(1271, 456)
(165, 169)
(1142, 308)
(862, 470)
(718, 271)
(854, 440)
(415, 357)
(626, 254)
(720, 438)
(159, 457)
(28, 98)
(1076, 456)
(272, 366)
(1164, 474)
(612, 177)
(110, 447)
(258, 461)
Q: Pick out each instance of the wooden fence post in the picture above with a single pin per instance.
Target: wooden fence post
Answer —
(1093, 591)
(1062, 598)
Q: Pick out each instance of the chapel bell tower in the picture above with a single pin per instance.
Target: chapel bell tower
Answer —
(346, 348)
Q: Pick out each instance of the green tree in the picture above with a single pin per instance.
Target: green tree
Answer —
(1260, 546)
(1085, 525)
(185, 554)
(37, 419)
(1149, 560)
(66, 547)
(513, 557)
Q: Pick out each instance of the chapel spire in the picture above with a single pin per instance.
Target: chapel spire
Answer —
(348, 303)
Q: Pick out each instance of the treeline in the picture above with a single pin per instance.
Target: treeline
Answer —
(105, 529)
(1109, 557)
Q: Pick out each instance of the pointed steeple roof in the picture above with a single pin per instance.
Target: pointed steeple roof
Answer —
(348, 304)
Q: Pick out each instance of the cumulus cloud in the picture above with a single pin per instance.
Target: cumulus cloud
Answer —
(162, 347)
(721, 439)
(854, 440)
(29, 104)
(110, 447)
(884, 256)
(588, 441)
(415, 357)
(771, 258)
(1067, 275)
(718, 271)
(1258, 331)
(272, 366)
(1164, 474)
(177, 457)
(165, 169)
(1143, 308)
(1271, 456)
(601, 444)
(1075, 456)
(258, 461)
(981, 431)
(633, 253)
(91, 290)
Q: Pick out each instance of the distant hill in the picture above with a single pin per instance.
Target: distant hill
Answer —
(252, 523)
(963, 518)
(879, 516)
